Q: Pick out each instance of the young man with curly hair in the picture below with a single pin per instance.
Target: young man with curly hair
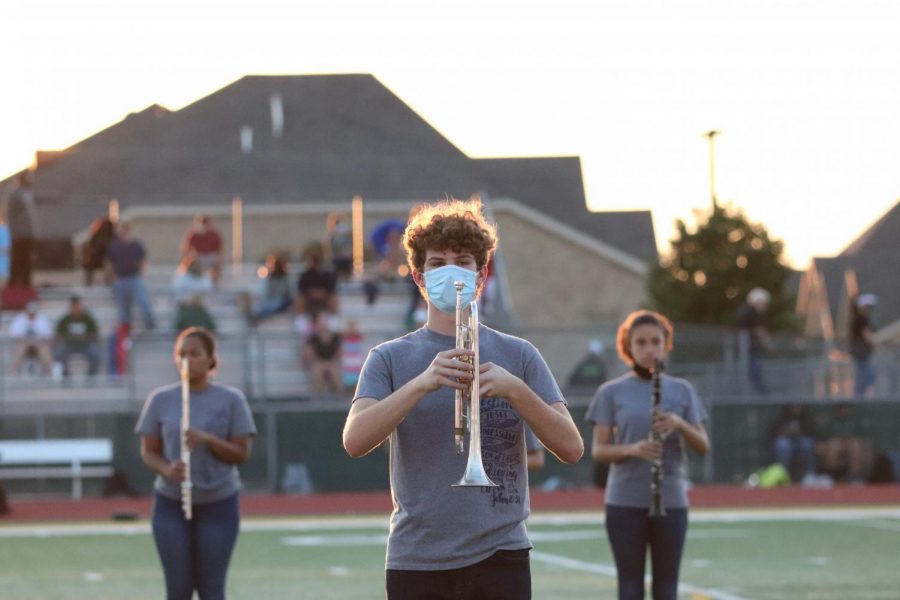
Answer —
(444, 541)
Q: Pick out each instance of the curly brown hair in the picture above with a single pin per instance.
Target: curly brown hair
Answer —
(636, 319)
(449, 225)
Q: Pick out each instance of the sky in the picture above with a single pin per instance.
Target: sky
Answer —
(805, 93)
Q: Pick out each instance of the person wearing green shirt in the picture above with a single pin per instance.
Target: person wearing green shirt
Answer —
(77, 333)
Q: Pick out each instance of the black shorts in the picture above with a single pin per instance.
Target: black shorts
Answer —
(505, 575)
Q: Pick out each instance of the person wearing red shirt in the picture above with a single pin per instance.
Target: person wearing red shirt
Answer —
(204, 243)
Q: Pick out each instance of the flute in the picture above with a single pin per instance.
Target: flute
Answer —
(186, 485)
(656, 506)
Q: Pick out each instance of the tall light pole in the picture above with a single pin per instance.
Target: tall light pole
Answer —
(712, 165)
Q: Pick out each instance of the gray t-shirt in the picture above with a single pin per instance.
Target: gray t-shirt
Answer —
(220, 410)
(435, 526)
(625, 404)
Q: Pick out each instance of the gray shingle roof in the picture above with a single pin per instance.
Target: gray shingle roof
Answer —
(875, 257)
(343, 135)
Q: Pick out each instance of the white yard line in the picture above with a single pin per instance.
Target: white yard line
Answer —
(610, 571)
(883, 515)
(879, 524)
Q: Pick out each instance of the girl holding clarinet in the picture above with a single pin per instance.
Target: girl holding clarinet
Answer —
(195, 453)
(627, 436)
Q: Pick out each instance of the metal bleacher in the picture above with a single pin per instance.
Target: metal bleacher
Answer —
(264, 360)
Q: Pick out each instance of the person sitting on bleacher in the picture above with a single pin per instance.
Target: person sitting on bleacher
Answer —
(193, 313)
(77, 333)
(32, 333)
(190, 281)
(190, 286)
(275, 296)
(317, 288)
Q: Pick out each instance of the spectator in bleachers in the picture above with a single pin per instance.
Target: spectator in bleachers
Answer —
(317, 288)
(845, 448)
(353, 355)
(21, 216)
(275, 294)
(590, 372)
(93, 251)
(339, 245)
(793, 440)
(203, 243)
(190, 281)
(33, 335)
(5, 243)
(418, 316)
(127, 260)
(77, 333)
(193, 313)
(755, 336)
(862, 343)
(322, 352)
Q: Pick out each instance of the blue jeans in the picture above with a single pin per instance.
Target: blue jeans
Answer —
(271, 306)
(630, 532)
(865, 376)
(755, 373)
(802, 448)
(195, 554)
(126, 291)
(90, 350)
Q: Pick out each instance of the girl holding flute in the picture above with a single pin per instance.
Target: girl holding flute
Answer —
(621, 415)
(195, 526)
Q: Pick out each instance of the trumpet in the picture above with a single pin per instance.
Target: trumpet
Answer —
(656, 474)
(186, 485)
(467, 415)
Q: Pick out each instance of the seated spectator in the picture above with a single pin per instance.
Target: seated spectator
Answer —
(794, 441)
(275, 295)
(190, 281)
(93, 251)
(33, 335)
(419, 315)
(322, 352)
(77, 333)
(193, 313)
(317, 288)
(590, 372)
(353, 355)
(203, 243)
(844, 449)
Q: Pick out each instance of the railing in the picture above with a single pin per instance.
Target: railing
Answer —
(265, 365)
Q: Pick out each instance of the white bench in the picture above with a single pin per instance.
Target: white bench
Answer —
(69, 459)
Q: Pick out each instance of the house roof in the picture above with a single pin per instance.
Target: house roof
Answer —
(875, 258)
(342, 135)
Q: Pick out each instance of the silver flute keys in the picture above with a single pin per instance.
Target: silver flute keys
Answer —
(656, 473)
(186, 485)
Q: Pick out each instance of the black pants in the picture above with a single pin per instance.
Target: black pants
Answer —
(505, 575)
(631, 532)
(20, 257)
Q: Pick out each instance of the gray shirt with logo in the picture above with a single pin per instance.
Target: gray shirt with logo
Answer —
(220, 410)
(435, 526)
(625, 405)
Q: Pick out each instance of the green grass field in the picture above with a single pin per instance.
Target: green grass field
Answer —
(760, 555)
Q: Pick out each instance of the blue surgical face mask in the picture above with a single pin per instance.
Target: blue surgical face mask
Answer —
(441, 288)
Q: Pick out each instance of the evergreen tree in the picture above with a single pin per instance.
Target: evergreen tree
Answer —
(707, 274)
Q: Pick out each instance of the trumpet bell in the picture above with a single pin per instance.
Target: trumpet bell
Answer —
(475, 476)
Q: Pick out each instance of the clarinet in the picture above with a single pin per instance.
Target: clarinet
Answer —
(186, 485)
(656, 473)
